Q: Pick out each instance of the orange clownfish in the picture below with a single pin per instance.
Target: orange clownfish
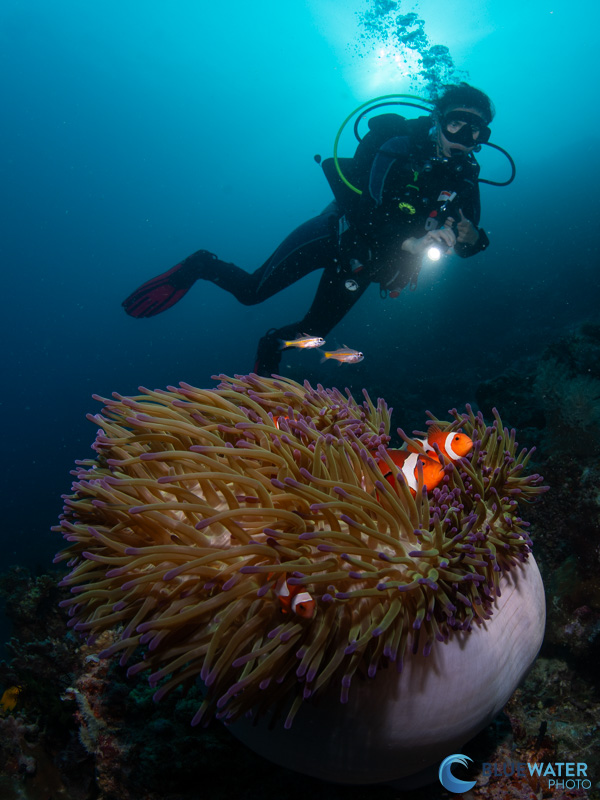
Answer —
(294, 599)
(453, 444)
(408, 465)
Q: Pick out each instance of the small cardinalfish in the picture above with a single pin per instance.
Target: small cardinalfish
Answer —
(305, 341)
(408, 465)
(453, 444)
(294, 599)
(345, 355)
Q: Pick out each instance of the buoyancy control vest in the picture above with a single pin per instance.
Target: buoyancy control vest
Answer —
(405, 190)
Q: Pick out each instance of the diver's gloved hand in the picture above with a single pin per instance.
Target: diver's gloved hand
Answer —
(419, 246)
(160, 293)
(466, 232)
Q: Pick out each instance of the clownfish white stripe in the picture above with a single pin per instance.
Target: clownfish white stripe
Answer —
(448, 447)
(301, 597)
(409, 471)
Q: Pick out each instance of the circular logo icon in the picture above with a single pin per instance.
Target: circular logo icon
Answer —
(448, 780)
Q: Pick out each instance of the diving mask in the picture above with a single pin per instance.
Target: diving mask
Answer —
(472, 133)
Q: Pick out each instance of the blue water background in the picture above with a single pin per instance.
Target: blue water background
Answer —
(137, 132)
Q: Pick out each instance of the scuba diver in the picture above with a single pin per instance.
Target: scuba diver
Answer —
(411, 190)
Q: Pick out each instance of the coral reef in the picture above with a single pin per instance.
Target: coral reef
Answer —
(16, 740)
(555, 397)
(556, 402)
(35, 736)
(38, 650)
(151, 752)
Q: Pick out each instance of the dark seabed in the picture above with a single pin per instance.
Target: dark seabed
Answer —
(136, 133)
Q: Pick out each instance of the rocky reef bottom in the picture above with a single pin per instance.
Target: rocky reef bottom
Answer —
(78, 729)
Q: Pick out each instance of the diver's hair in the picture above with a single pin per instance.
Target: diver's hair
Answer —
(461, 95)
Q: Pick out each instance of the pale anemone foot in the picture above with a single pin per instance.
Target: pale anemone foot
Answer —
(396, 725)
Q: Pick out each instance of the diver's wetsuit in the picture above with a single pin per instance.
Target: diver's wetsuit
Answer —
(313, 245)
(356, 240)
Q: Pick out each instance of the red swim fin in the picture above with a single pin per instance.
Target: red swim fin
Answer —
(160, 293)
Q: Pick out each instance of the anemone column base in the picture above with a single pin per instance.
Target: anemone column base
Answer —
(397, 725)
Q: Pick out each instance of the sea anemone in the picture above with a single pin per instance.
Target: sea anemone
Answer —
(199, 502)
